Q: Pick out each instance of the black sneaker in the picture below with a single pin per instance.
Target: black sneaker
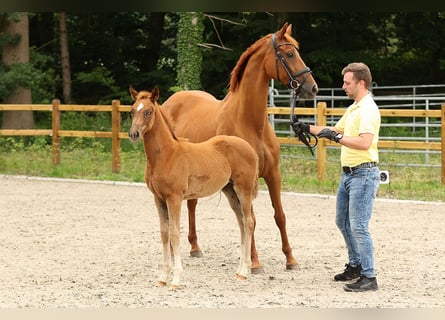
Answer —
(350, 273)
(362, 284)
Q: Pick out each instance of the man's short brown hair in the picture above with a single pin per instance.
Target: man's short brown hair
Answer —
(360, 71)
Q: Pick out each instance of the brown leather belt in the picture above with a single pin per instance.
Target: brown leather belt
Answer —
(362, 165)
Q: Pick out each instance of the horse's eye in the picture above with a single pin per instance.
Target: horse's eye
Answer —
(148, 112)
(132, 113)
(290, 54)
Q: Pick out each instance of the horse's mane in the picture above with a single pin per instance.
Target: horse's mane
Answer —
(238, 70)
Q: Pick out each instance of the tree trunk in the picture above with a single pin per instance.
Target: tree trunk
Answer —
(190, 35)
(65, 60)
(155, 35)
(18, 53)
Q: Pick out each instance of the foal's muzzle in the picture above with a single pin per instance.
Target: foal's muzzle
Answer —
(134, 135)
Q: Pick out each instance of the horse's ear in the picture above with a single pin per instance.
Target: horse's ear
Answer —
(285, 29)
(289, 29)
(154, 94)
(133, 93)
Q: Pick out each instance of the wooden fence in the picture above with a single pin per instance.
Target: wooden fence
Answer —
(321, 112)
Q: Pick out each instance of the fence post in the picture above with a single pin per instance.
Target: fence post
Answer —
(443, 143)
(321, 150)
(55, 114)
(115, 141)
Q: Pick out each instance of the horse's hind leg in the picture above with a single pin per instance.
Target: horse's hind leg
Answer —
(195, 251)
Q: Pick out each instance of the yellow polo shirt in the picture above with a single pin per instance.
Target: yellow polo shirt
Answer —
(361, 117)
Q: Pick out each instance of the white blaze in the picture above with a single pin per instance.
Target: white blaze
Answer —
(140, 106)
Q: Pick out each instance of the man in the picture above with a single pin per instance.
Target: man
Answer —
(357, 131)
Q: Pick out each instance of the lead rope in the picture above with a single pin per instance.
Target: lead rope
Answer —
(304, 137)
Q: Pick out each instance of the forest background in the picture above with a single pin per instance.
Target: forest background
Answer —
(106, 52)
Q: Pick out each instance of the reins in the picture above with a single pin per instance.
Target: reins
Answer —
(295, 87)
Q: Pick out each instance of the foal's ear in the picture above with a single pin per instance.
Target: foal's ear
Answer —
(133, 93)
(285, 29)
(154, 94)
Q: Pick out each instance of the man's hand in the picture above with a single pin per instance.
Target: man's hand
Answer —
(303, 133)
(329, 134)
(300, 127)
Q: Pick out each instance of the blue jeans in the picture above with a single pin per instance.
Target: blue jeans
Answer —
(355, 199)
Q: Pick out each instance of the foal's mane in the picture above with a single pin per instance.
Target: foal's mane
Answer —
(168, 120)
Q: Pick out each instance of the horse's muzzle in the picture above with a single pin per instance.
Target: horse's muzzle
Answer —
(307, 91)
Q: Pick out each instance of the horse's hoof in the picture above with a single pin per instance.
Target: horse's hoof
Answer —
(161, 284)
(196, 254)
(240, 277)
(294, 266)
(257, 270)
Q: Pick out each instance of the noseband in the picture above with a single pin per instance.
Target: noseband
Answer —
(294, 84)
(296, 87)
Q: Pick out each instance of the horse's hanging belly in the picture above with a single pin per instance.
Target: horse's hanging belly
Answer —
(204, 185)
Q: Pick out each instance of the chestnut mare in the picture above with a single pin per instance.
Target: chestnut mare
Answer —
(243, 112)
(177, 169)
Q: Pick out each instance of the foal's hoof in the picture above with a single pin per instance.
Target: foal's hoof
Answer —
(240, 277)
(173, 287)
(161, 284)
(257, 270)
(196, 254)
(294, 266)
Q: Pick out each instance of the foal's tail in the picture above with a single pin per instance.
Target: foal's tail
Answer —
(255, 186)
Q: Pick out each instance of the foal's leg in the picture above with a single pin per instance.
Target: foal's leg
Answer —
(246, 225)
(195, 251)
(164, 226)
(256, 267)
(174, 215)
(236, 207)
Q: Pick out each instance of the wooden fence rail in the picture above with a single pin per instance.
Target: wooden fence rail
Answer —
(321, 112)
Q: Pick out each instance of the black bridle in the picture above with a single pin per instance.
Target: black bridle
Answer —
(296, 87)
(293, 84)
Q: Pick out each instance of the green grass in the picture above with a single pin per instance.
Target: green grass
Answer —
(299, 174)
(91, 159)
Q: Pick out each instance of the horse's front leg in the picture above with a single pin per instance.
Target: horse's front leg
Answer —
(174, 213)
(195, 250)
(164, 229)
(273, 181)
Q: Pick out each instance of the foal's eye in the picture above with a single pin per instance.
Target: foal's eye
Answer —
(148, 112)
(132, 113)
(290, 54)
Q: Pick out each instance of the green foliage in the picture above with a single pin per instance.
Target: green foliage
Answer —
(11, 76)
(110, 51)
(100, 84)
(4, 37)
(29, 75)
